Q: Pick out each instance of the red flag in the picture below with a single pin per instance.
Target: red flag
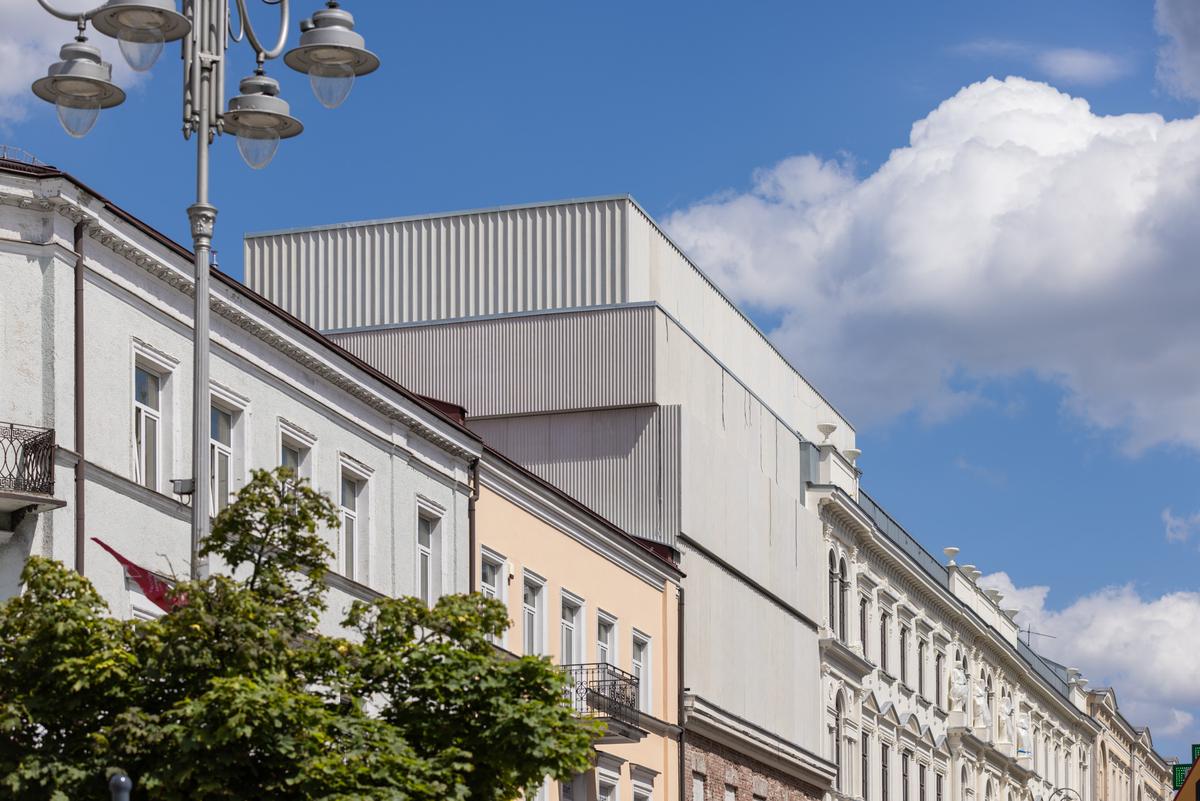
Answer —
(153, 587)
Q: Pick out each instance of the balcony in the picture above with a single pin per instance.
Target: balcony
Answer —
(26, 473)
(599, 690)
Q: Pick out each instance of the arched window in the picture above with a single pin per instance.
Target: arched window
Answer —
(963, 786)
(833, 592)
(838, 713)
(987, 791)
(844, 583)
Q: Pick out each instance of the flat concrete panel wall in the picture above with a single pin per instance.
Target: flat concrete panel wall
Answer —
(623, 463)
(680, 287)
(523, 364)
(748, 655)
(440, 267)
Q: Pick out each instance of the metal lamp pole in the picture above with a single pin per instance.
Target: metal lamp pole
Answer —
(80, 85)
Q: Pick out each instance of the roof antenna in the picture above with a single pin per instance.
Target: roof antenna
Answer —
(1029, 632)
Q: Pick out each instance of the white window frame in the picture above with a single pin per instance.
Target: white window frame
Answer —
(162, 366)
(608, 778)
(614, 638)
(646, 679)
(435, 515)
(360, 474)
(235, 405)
(529, 578)
(699, 780)
(641, 780)
(489, 557)
(290, 435)
(577, 630)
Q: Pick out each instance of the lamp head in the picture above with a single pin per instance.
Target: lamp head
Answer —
(79, 84)
(260, 118)
(332, 54)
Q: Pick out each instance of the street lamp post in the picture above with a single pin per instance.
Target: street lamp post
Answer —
(80, 85)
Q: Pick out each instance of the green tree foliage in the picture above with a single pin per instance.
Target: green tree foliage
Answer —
(236, 695)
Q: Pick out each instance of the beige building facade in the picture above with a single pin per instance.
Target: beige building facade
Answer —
(1127, 766)
(602, 605)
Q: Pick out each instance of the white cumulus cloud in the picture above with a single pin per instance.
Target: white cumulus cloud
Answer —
(29, 43)
(1017, 233)
(1143, 647)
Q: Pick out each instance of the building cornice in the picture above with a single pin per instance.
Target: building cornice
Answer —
(53, 195)
(725, 728)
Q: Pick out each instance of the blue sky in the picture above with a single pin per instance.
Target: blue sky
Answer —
(1037, 473)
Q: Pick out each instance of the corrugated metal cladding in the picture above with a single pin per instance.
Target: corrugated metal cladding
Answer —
(623, 463)
(521, 365)
(438, 268)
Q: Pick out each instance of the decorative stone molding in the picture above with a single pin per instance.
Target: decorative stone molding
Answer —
(77, 209)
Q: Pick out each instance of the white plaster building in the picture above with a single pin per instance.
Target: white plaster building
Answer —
(901, 722)
(400, 469)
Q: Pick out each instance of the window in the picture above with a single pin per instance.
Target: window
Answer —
(939, 679)
(697, 787)
(866, 767)
(863, 624)
(938, 785)
(605, 628)
(492, 583)
(833, 593)
(426, 565)
(904, 655)
(883, 772)
(840, 777)
(290, 457)
(147, 420)
(883, 640)
(295, 448)
(920, 783)
(921, 667)
(220, 457)
(351, 548)
(532, 619)
(349, 534)
(730, 793)
(842, 600)
(569, 646)
(606, 789)
(640, 661)
(905, 758)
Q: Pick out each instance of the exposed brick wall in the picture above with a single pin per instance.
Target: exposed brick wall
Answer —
(723, 766)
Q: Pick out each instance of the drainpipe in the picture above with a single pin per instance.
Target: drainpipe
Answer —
(679, 711)
(471, 499)
(79, 447)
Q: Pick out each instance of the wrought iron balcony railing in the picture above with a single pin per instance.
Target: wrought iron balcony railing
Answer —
(26, 459)
(602, 690)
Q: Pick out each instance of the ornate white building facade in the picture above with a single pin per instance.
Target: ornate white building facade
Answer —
(929, 695)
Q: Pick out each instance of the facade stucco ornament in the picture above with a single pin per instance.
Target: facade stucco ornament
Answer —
(958, 690)
(1006, 719)
(983, 715)
(1024, 742)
